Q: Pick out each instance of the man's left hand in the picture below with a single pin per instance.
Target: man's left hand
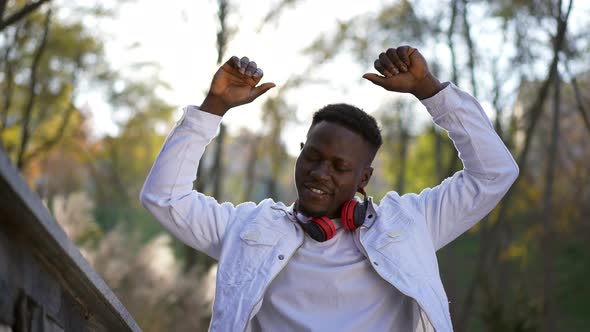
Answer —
(404, 69)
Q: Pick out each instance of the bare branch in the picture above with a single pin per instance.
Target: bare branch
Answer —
(274, 13)
(59, 133)
(26, 10)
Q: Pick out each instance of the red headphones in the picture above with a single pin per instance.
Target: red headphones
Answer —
(322, 228)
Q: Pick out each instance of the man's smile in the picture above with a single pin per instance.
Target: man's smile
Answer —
(318, 190)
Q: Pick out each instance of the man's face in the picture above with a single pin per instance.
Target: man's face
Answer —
(333, 164)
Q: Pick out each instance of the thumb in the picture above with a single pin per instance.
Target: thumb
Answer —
(376, 79)
(261, 89)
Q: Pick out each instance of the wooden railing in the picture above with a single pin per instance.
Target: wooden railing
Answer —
(45, 283)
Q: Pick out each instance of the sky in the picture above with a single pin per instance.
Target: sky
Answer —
(180, 36)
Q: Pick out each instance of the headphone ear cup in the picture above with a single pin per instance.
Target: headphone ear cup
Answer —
(321, 229)
(348, 214)
(353, 214)
(360, 210)
(314, 231)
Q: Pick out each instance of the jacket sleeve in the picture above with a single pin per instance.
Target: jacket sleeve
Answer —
(194, 218)
(489, 170)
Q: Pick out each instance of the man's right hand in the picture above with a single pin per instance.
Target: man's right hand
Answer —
(234, 84)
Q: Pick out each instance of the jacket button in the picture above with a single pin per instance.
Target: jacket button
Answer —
(281, 257)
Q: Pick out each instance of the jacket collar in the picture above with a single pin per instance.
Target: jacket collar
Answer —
(286, 210)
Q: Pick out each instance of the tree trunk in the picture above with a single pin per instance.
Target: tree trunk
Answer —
(251, 170)
(9, 78)
(403, 156)
(470, 47)
(450, 33)
(549, 237)
(2, 9)
(579, 99)
(222, 37)
(448, 254)
(216, 172)
(28, 111)
(496, 99)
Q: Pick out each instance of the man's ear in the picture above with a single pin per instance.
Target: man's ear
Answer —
(367, 172)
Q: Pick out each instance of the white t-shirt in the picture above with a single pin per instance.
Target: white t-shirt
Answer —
(331, 286)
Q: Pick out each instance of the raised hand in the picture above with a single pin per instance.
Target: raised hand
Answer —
(404, 69)
(234, 84)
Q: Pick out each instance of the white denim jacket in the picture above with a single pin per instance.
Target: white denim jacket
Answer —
(400, 236)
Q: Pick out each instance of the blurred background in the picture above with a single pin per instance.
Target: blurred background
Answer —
(90, 89)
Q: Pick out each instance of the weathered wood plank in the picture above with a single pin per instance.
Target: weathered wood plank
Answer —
(43, 269)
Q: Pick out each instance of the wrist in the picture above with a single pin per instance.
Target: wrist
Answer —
(214, 105)
(427, 87)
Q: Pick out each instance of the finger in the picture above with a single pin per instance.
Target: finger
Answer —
(234, 61)
(384, 59)
(404, 53)
(258, 74)
(381, 69)
(244, 61)
(394, 58)
(413, 53)
(261, 89)
(375, 79)
(251, 68)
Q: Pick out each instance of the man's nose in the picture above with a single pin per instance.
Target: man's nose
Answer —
(321, 171)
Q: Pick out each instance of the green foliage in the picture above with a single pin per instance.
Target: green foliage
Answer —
(45, 91)
(572, 289)
(125, 160)
(42, 61)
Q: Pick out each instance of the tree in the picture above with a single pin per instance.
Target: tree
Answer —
(122, 162)
(43, 60)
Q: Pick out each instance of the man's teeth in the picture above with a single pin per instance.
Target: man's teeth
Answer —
(317, 191)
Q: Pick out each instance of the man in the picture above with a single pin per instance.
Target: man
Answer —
(329, 262)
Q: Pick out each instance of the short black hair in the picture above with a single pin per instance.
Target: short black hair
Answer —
(352, 118)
